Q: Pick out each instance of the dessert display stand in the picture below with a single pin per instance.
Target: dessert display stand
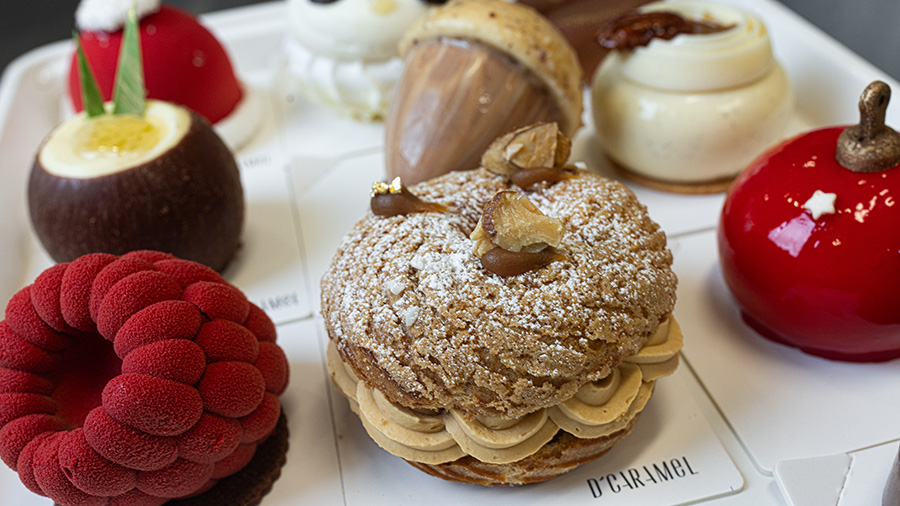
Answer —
(744, 421)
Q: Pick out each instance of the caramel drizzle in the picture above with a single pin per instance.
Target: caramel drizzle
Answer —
(395, 200)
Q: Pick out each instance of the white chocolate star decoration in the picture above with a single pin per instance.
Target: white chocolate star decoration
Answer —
(820, 203)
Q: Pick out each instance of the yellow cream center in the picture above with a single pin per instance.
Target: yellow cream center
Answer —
(117, 136)
(83, 148)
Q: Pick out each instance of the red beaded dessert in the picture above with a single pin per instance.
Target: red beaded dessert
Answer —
(134, 380)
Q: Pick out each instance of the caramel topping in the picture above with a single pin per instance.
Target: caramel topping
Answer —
(634, 28)
(395, 199)
(527, 178)
(512, 263)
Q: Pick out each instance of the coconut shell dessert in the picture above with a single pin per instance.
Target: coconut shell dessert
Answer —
(502, 332)
(134, 174)
(183, 61)
(139, 379)
(474, 71)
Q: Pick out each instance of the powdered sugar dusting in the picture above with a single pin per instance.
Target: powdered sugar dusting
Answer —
(487, 344)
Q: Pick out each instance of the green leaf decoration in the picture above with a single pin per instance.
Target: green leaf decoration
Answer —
(90, 92)
(130, 96)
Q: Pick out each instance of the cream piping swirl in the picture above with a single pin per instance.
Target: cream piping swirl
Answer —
(598, 409)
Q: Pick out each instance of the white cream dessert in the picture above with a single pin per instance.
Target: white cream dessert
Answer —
(689, 113)
(343, 53)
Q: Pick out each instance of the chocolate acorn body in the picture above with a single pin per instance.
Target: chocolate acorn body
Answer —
(187, 200)
(474, 71)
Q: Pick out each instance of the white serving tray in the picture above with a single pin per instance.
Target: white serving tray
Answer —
(743, 421)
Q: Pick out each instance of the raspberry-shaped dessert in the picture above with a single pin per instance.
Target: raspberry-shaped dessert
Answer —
(183, 62)
(138, 379)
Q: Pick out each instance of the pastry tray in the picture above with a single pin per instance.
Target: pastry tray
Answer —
(742, 422)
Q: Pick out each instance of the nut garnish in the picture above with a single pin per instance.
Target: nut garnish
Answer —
(513, 236)
(395, 199)
(530, 155)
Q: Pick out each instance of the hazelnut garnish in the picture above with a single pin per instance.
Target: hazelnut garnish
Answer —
(513, 236)
(530, 155)
(395, 199)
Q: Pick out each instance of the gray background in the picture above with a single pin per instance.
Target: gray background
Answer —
(870, 28)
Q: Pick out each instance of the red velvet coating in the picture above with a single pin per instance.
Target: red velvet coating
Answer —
(180, 479)
(259, 424)
(149, 256)
(260, 324)
(126, 446)
(212, 439)
(51, 478)
(25, 463)
(273, 365)
(20, 382)
(17, 433)
(109, 276)
(216, 300)
(171, 319)
(173, 359)
(223, 340)
(89, 471)
(153, 405)
(135, 497)
(232, 389)
(185, 272)
(234, 462)
(75, 291)
(16, 405)
(130, 295)
(20, 355)
(181, 390)
(45, 297)
(23, 319)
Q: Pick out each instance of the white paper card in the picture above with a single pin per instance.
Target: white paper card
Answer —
(854, 479)
(269, 266)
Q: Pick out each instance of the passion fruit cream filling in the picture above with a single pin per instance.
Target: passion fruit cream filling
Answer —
(84, 148)
(598, 409)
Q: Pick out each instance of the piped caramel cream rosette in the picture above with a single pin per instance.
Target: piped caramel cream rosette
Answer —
(474, 71)
(472, 370)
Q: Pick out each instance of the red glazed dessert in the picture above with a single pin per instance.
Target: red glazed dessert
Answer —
(183, 63)
(134, 380)
(807, 243)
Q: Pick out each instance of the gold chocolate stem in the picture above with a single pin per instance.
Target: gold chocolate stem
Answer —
(870, 146)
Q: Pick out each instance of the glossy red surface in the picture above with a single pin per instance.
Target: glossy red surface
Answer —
(183, 63)
(830, 286)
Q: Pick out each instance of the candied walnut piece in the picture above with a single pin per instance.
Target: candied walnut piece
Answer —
(530, 155)
(633, 29)
(395, 199)
(513, 236)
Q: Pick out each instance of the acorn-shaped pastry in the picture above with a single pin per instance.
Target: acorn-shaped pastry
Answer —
(474, 71)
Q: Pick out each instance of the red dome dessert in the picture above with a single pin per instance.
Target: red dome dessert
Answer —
(807, 243)
(137, 379)
(183, 63)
